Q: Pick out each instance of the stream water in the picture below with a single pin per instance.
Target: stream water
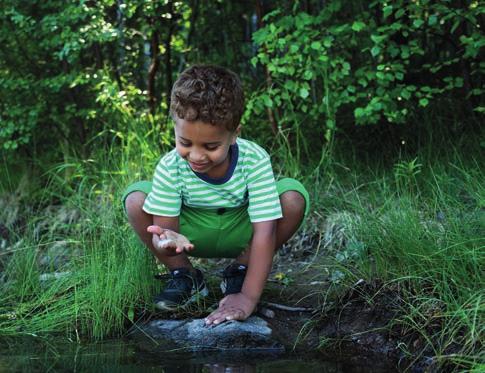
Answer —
(60, 355)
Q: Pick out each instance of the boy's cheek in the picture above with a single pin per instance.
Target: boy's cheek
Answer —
(182, 152)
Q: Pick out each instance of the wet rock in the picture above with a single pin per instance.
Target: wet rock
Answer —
(301, 245)
(266, 312)
(339, 230)
(53, 276)
(192, 334)
(57, 256)
(56, 220)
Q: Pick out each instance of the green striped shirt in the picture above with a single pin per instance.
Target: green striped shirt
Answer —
(252, 183)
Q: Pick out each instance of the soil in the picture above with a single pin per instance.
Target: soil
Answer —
(300, 306)
(350, 324)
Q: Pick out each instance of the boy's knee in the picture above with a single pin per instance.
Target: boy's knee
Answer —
(293, 202)
(134, 202)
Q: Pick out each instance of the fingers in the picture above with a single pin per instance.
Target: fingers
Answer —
(225, 314)
(165, 239)
(189, 247)
(155, 229)
(169, 244)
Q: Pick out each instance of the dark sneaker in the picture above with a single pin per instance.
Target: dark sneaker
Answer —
(233, 278)
(182, 289)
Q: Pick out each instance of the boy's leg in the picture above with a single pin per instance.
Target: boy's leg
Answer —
(293, 206)
(140, 220)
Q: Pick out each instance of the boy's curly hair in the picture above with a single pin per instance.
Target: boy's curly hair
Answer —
(210, 94)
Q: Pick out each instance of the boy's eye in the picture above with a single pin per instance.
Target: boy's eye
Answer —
(184, 143)
(211, 147)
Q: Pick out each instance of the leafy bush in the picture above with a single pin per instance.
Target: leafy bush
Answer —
(380, 60)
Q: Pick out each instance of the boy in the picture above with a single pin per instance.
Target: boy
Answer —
(214, 195)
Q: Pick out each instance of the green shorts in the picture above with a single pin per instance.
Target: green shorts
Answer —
(219, 233)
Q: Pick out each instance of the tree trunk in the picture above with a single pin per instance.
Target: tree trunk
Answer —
(168, 57)
(152, 70)
(269, 81)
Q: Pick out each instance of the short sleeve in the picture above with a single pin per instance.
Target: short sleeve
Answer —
(264, 201)
(165, 197)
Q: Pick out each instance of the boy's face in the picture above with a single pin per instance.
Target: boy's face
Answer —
(204, 146)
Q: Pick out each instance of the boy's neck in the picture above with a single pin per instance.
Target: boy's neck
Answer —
(225, 170)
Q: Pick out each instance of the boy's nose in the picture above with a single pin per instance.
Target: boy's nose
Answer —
(196, 156)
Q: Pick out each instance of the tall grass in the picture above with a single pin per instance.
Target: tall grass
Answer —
(109, 275)
(418, 224)
(420, 229)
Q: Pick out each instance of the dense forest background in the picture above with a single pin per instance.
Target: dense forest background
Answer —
(376, 106)
(371, 72)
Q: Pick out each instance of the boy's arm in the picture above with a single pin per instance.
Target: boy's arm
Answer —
(240, 306)
(260, 260)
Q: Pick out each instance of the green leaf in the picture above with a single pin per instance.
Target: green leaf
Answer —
(405, 52)
(377, 38)
(458, 82)
(418, 23)
(316, 45)
(423, 102)
(432, 20)
(327, 42)
(359, 112)
(358, 25)
(267, 101)
(387, 11)
(307, 75)
(375, 51)
(304, 93)
(254, 61)
(400, 13)
(455, 25)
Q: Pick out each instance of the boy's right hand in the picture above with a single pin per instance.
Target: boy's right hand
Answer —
(172, 243)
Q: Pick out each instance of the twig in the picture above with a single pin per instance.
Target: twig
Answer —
(283, 307)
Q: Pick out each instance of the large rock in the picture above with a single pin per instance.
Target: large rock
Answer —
(192, 334)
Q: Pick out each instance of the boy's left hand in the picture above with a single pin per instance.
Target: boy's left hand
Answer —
(232, 307)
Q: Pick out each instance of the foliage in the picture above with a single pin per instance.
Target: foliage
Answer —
(382, 61)
(62, 63)
(315, 64)
(45, 78)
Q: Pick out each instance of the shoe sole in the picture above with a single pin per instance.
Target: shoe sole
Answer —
(165, 306)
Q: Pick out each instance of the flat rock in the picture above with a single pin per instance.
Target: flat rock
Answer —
(192, 334)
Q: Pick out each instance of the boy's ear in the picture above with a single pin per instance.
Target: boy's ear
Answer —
(235, 134)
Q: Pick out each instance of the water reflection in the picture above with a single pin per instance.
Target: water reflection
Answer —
(223, 368)
(61, 355)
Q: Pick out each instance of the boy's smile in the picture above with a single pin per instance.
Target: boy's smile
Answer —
(204, 146)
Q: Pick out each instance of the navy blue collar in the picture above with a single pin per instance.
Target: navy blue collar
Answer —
(233, 154)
